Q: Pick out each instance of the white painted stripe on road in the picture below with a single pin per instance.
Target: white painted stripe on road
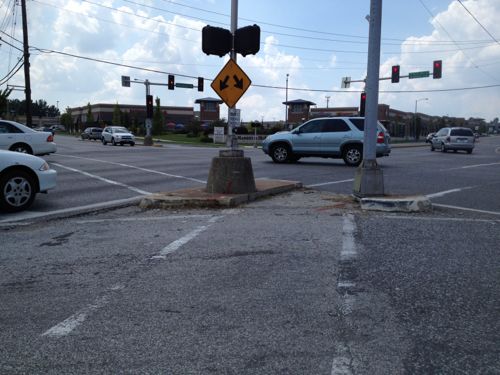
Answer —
(423, 218)
(144, 192)
(330, 183)
(348, 246)
(473, 166)
(175, 245)
(467, 209)
(125, 219)
(134, 167)
(443, 193)
(75, 320)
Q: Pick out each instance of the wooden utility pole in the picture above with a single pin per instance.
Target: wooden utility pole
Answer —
(27, 83)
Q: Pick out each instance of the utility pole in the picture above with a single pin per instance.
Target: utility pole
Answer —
(327, 100)
(27, 83)
(232, 140)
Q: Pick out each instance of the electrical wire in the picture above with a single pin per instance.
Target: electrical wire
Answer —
(479, 23)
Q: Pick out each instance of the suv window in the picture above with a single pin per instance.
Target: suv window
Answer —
(462, 132)
(359, 123)
(335, 125)
(312, 127)
(442, 132)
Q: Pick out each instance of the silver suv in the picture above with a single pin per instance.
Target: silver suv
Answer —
(328, 137)
(453, 139)
(117, 135)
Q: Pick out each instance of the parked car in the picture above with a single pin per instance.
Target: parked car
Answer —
(329, 137)
(453, 139)
(22, 176)
(46, 129)
(117, 135)
(20, 138)
(92, 133)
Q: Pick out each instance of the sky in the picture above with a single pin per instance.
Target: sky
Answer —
(80, 49)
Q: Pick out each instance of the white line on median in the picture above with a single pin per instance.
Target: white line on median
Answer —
(330, 183)
(75, 320)
(443, 193)
(175, 245)
(134, 167)
(144, 192)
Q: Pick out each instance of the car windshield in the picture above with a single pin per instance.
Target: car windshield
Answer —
(120, 130)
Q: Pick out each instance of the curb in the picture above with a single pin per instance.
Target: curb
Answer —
(198, 197)
(417, 203)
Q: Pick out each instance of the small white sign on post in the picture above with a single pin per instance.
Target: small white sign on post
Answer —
(233, 117)
(219, 135)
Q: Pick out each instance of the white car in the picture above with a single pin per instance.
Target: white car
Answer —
(22, 176)
(117, 135)
(17, 137)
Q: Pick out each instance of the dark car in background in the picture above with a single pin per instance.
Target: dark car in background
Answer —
(92, 133)
(455, 139)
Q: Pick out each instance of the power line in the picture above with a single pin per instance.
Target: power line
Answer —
(479, 23)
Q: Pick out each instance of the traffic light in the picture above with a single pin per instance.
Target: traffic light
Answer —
(362, 104)
(171, 81)
(437, 68)
(395, 74)
(125, 81)
(247, 40)
(200, 83)
(149, 106)
(216, 41)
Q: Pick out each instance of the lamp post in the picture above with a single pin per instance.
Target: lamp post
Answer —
(327, 100)
(286, 105)
(415, 117)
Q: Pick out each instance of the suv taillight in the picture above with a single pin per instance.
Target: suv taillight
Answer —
(380, 137)
(50, 138)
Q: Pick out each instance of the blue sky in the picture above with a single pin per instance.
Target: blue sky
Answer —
(315, 42)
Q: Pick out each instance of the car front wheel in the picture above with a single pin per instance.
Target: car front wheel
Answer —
(280, 153)
(104, 141)
(17, 191)
(353, 155)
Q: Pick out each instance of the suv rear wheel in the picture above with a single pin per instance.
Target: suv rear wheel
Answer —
(280, 153)
(353, 155)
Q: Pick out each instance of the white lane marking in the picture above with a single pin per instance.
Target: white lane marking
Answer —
(102, 179)
(341, 364)
(473, 166)
(118, 219)
(348, 245)
(134, 167)
(443, 193)
(75, 320)
(175, 245)
(467, 209)
(330, 183)
(34, 215)
(417, 218)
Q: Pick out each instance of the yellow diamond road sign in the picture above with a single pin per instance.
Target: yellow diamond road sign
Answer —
(231, 83)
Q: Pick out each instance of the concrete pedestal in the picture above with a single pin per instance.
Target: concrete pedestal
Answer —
(148, 140)
(369, 180)
(231, 173)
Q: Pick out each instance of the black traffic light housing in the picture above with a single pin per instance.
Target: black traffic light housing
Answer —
(171, 81)
(247, 40)
(149, 106)
(395, 74)
(216, 41)
(200, 83)
(362, 104)
(437, 68)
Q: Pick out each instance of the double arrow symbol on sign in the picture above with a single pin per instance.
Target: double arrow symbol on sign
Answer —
(238, 83)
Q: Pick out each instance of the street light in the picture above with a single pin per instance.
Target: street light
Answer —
(286, 105)
(327, 100)
(415, 116)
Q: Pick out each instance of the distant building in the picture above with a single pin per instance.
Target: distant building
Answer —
(209, 109)
(298, 110)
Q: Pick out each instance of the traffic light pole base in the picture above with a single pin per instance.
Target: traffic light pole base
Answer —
(148, 140)
(369, 180)
(231, 173)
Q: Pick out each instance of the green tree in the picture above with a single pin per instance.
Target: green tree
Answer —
(157, 118)
(4, 101)
(67, 120)
(117, 115)
(90, 116)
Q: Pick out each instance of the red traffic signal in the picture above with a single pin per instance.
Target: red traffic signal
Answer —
(200, 83)
(362, 104)
(171, 81)
(149, 106)
(395, 74)
(437, 68)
